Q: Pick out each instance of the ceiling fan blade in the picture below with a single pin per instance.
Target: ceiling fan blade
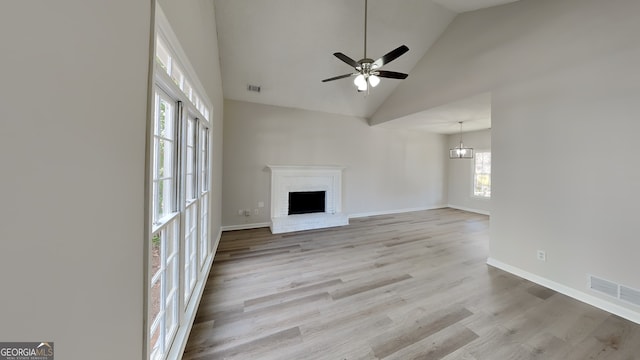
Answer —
(338, 77)
(347, 59)
(391, 74)
(390, 56)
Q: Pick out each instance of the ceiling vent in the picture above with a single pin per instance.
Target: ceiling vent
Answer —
(620, 292)
(254, 88)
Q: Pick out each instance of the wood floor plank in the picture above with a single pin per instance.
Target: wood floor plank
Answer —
(283, 295)
(387, 344)
(269, 341)
(288, 306)
(396, 287)
(360, 288)
(540, 291)
(438, 345)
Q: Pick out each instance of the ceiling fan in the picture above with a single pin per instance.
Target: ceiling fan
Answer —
(368, 71)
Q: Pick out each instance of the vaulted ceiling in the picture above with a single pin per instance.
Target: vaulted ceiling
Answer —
(286, 47)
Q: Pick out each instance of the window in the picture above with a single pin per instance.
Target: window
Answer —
(190, 181)
(190, 250)
(163, 162)
(482, 174)
(205, 247)
(163, 58)
(179, 243)
(165, 234)
(191, 210)
(177, 76)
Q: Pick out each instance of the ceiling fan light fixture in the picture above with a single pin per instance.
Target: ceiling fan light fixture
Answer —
(360, 82)
(374, 80)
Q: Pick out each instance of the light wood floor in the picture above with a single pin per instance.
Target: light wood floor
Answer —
(408, 286)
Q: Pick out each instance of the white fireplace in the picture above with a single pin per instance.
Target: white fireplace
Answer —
(306, 179)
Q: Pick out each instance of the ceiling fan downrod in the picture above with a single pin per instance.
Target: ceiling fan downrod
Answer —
(365, 28)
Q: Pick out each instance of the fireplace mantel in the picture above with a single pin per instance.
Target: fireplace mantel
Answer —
(285, 179)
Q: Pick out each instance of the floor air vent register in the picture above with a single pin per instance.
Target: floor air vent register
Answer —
(618, 291)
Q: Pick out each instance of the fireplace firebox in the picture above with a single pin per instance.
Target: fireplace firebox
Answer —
(306, 202)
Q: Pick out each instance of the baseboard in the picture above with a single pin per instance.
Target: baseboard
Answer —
(217, 242)
(396, 211)
(571, 292)
(245, 226)
(177, 349)
(477, 211)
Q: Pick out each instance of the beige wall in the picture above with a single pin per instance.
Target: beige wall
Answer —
(72, 142)
(386, 170)
(460, 174)
(564, 80)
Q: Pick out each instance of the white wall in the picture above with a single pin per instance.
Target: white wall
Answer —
(386, 170)
(564, 180)
(72, 142)
(564, 80)
(460, 174)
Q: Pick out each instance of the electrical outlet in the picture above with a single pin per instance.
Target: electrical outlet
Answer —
(542, 255)
(240, 212)
(247, 213)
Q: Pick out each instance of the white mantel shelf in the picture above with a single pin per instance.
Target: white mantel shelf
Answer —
(292, 178)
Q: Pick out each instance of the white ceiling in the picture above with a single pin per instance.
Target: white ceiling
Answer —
(286, 47)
